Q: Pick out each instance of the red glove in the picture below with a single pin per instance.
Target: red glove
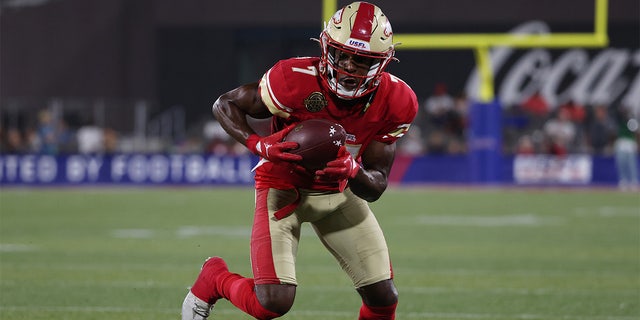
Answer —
(343, 168)
(272, 148)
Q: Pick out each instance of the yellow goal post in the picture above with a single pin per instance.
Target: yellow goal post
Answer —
(482, 42)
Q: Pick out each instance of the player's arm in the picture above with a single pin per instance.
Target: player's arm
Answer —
(368, 179)
(372, 178)
(231, 110)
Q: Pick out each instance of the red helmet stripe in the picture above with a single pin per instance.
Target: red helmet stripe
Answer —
(363, 25)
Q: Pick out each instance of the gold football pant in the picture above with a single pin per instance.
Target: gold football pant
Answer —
(343, 222)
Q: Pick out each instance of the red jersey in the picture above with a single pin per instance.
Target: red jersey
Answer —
(294, 91)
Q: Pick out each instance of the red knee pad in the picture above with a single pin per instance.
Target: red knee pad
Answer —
(378, 313)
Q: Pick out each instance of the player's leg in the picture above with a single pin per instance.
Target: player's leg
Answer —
(205, 292)
(274, 244)
(215, 282)
(354, 237)
(272, 292)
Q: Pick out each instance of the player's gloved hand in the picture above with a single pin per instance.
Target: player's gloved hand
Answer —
(272, 148)
(341, 169)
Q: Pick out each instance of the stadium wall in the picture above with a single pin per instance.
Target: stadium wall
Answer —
(189, 52)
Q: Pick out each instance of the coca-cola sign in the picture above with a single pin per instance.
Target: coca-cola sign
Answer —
(590, 77)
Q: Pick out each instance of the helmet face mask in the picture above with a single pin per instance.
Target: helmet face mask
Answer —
(356, 47)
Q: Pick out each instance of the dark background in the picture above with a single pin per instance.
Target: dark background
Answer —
(188, 52)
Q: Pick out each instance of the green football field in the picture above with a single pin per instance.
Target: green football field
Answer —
(476, 253)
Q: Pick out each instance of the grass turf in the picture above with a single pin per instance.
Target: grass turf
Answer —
(458, 253)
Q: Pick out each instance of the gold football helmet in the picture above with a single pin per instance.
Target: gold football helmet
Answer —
(362, 34)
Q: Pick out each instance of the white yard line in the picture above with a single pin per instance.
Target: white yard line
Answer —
(16, 247)
(524, 220)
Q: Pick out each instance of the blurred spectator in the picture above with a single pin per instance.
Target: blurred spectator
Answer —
(515, 124)
(536, 105)
(438, 106)
(412, 143)
(458, 117)
(216, 138)
(601, 132)
(560, 132)
(436, 143)
(444, 131)
(65, 138)
(537, 109)
(32, 139)
(626, 152)
(13, 142)
(577, 112)
(47, 141)
(218, 141)
(111, 140)
(525, 146)
(90, 138)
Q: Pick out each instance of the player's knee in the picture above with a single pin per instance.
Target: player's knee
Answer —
(280, 305)
(383, 293)
(276, 298)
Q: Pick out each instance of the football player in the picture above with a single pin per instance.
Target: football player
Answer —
(348, 85)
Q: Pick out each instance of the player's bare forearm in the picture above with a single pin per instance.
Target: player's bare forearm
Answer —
(232, 119)
(232, 108)
(368, 185)
(373, 178)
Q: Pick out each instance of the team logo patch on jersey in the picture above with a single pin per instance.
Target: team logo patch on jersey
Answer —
(315, 102)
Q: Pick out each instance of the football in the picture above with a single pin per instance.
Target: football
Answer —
(319, 141)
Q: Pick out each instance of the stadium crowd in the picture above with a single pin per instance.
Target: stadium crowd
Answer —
(45, 133)
(441, 128)
(532, 127)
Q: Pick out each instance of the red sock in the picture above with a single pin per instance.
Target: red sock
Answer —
(241, 292)
(204, 288)
(235, 288)
(378, 313)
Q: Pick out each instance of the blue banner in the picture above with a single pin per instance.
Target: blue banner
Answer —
(146, 169)
(204, 169)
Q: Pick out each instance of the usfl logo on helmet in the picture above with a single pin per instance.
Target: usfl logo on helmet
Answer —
(358, 44)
